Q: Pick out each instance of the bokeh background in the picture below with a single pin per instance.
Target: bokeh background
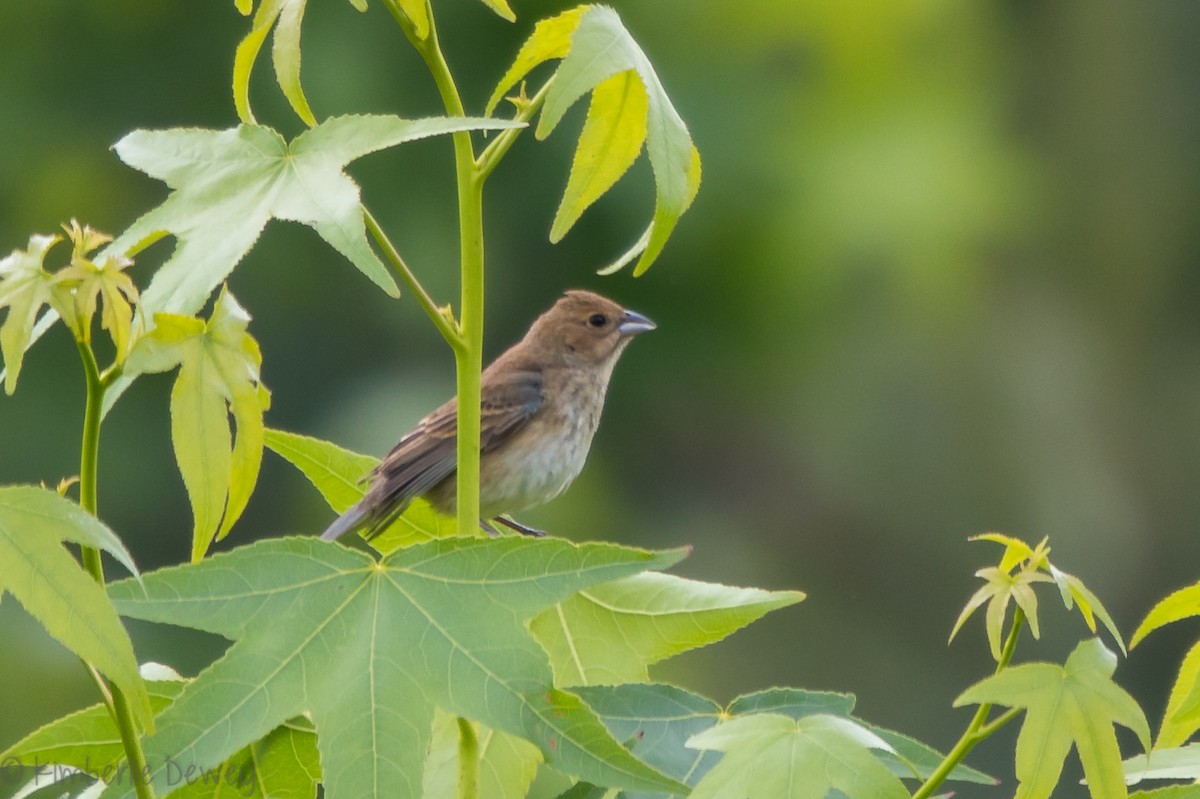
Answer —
(940, 279)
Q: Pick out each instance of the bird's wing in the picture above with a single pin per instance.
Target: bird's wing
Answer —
(427, 455)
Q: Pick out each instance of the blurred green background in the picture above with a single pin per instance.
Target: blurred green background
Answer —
(940, 279)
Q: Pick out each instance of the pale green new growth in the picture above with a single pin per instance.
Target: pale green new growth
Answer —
(218, 368)
(51, 586)
(1182, 604)
(24, 289)
(1003, 587)
(1074, 703)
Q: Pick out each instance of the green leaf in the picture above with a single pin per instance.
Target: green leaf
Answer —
(659, 719)
(228, 184)
(219, 366)
(1073, 591)
(369, 648)
(283, 765)
(285, 17)
(1174, 763)
(768, 756)
(611, 633)
(1169, 792)
(24, 289)
(507, 764)
(595, 50)
(89, 281)
(611, 141)
(1182, 604)
(502, 9)
(338, 475)
(1182, 716)
(999, 590)
(55, 590)
(1074, 703)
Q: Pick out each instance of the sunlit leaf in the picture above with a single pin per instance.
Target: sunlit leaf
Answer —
(1076, 703)
(1174, 763)
(227, 184)
(218, 369)
(369, 648)
(611, 140)
(92, 281)
(24, 289)
(594, 49)
(1182, 716)
(50, 584)
(1182, 604)
(999, 589)
(769, 756)
(611, 633)
(338, 475)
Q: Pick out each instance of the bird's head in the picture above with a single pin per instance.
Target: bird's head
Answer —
(585, 329)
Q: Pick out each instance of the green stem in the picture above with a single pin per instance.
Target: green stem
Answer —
(468, 760)
(468, 357)
(979, 728)
(440, 320)
(114, 699)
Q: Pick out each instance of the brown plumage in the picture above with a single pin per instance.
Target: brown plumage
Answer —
(541, 403)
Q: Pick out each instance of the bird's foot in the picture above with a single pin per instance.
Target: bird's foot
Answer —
(512, 524)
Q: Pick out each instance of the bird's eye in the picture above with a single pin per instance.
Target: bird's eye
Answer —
(597, 320)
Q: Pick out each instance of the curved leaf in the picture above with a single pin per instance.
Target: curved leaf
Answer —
(1181, 604)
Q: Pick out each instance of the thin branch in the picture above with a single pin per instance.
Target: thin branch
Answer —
(495, 151)
(445, 326)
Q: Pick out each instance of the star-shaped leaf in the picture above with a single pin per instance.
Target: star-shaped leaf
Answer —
(24, 289)
(226, 185)
(612, 632)
(51, 585)
(1075, 703)
(769, 756)
(660, 719)
(338, 474)
(629, 107)
(218, 367)
(369, 648)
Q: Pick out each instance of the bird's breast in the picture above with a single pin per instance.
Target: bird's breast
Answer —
(540, 460)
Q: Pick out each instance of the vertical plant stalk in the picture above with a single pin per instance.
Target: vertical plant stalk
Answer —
(468, 357)
(114, 699)
(979, 729)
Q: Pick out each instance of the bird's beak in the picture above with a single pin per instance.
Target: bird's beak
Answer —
(633, 323)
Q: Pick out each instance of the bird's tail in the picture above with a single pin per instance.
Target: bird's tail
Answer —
(353, 518)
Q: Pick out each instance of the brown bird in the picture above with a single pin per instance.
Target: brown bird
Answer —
(541, 404)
